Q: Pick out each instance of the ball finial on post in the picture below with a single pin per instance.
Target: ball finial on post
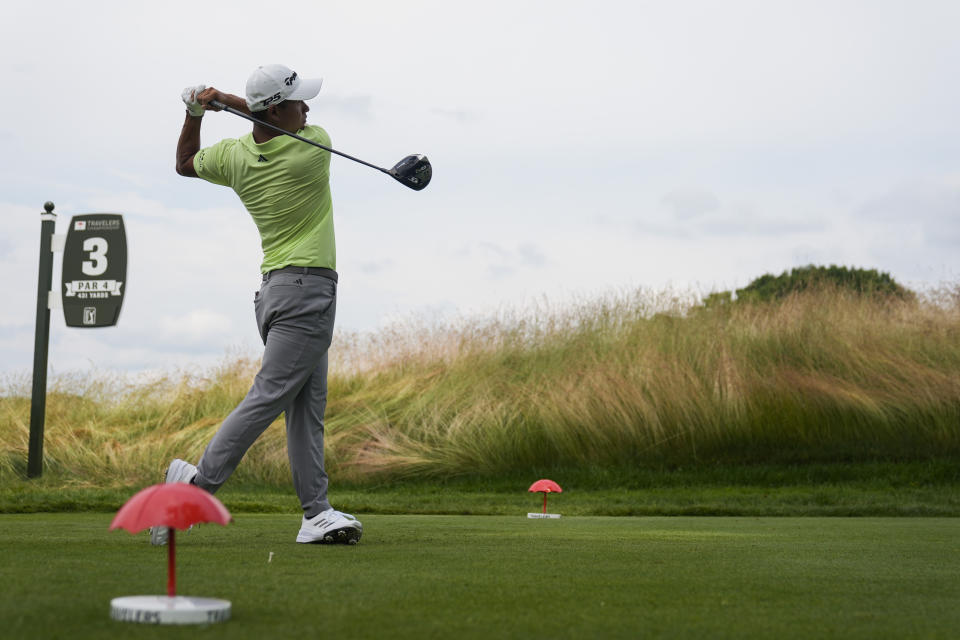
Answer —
(48, 206)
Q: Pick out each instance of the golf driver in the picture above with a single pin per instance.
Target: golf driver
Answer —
(413, 171)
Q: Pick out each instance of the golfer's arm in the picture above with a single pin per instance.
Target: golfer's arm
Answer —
(228, 99)
(188, 145)
(189, 142)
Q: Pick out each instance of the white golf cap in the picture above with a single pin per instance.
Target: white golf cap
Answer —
(273, 83)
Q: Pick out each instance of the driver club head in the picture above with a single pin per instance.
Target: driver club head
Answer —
(413, 171)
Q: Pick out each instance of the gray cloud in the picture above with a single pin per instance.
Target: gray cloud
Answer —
(690, 203)
(355, 106)
(667, 228)
(376, 266)
(503, 261)
(687, 210)
(497, 250)
(928, 209)
(499, 271)
(746, 220)
(928, 200)
(531, 255)
(461, 116)
(933, 202)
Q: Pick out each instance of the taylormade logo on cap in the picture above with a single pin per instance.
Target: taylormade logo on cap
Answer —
(275, 83)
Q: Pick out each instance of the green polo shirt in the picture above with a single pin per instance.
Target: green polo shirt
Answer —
(285, 186)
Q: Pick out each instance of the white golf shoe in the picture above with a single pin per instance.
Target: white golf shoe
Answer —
(330, 527)
(178, 471)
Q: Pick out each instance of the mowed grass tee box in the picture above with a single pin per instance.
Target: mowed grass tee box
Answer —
(499, 577)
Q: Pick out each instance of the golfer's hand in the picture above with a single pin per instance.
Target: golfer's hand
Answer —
(206, 95)
(190, 98)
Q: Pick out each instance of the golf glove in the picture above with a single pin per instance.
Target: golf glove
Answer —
(189, 96)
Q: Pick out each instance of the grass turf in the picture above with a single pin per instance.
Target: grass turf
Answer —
(473, 577)
(930, 488)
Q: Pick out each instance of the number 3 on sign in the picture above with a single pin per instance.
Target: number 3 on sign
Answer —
(97, 263)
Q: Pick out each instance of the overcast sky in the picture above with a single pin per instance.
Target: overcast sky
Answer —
(578, 149)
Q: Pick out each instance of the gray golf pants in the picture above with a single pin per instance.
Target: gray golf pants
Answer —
(295, 314)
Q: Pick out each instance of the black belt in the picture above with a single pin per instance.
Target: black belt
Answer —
(306, 271)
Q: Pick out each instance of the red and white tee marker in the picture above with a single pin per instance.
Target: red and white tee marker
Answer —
(544, 486)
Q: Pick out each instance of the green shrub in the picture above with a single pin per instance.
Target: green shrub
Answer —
(868, 282)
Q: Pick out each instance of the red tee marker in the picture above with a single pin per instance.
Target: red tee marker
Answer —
(545, 486)
(177, 506)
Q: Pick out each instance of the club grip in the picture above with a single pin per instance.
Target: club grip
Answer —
(218, 104)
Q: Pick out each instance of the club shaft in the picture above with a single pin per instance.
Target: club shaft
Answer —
(237, 112)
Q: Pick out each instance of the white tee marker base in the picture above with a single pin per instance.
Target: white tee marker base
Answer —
(540, 516)
(169, 610)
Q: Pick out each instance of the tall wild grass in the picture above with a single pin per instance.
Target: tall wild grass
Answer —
(635, 379)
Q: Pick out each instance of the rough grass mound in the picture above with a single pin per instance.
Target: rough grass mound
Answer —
(639, 379)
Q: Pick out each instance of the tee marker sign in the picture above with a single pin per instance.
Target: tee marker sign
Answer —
(91, 293)
(94, 270)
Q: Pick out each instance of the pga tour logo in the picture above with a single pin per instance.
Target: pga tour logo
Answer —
(80, 225)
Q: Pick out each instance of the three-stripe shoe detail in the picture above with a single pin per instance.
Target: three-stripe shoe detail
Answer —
(330, 527)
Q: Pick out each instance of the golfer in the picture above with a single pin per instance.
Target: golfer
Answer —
(284, 185)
